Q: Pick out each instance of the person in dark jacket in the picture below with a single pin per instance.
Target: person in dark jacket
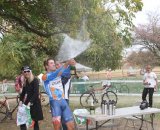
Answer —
(30, 97)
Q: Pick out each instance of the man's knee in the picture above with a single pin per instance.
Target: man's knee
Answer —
(56, 122)
(70, 125)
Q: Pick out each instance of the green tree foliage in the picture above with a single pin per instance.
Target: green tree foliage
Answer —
(49, 17)
(31, 30)
(20, 48)
(106, 47)
(124, 14)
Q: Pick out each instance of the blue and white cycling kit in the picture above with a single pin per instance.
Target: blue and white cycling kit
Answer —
(54, 88)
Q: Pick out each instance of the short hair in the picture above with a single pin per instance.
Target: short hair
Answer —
(45, 63)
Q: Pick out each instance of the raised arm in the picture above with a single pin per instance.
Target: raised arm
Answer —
(51, 75)
(68, 63)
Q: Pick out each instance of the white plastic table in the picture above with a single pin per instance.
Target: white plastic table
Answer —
(122, 113)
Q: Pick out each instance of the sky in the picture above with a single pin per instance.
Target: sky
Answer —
(141, 18)
(148, 6)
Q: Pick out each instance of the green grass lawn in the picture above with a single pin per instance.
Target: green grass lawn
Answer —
(46, 124)
(123, 101)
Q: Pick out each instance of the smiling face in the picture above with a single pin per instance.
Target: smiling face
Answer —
(50, 65)
(27, 73)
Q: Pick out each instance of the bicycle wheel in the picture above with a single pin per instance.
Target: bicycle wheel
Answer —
(3, 111)
(44, 98)
(124, 89)
(86, 100)
(110, 95)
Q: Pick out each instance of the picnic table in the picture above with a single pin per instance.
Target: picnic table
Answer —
(134, 111)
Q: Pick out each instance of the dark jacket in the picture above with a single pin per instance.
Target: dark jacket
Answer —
(30, 94)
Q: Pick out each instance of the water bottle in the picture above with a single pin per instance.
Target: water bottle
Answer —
(114, 107)
(110, 108)
(91, 101)
(106, 108)
(103, 107)
(92, 108)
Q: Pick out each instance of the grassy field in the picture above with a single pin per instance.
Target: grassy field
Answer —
(123, 101)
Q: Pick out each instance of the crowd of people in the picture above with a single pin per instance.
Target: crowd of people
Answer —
(57, 83)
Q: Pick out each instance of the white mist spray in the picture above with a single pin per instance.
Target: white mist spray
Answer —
(71, 48)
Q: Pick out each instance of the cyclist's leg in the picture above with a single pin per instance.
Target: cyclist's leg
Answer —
(67, 115)
(63, 124)
(67, 100)
(70, 125)
(56, 114)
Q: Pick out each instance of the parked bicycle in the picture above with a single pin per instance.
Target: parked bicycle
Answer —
(88, 99)
(5, 110)
(119, 87)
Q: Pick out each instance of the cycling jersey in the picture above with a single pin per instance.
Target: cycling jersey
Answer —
(66, 89)
(67, 72)
(66, 81)
(53, 85)
(54, 88)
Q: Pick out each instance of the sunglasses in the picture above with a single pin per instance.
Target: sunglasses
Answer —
(28, 71)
